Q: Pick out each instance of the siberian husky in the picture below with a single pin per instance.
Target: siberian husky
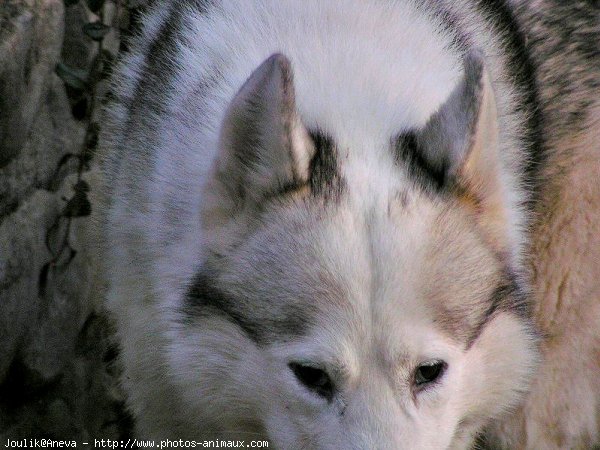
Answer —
(352, 224)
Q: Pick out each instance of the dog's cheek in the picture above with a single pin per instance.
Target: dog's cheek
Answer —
(499, 366)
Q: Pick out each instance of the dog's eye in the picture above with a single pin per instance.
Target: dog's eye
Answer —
(429, 372)
(314, 379)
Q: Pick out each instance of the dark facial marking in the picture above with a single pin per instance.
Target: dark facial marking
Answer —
(204, 299)
(325, 179)
(507, 296)
(261, 321)
(409, 152)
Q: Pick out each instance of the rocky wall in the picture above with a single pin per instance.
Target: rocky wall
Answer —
(58, 378)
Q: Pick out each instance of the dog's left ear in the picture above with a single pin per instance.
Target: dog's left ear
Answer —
(460, 141)
(460, 144)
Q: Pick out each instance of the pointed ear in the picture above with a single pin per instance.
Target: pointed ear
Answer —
(264, 147)
(456, 137)
(478, 168)
(461, 142)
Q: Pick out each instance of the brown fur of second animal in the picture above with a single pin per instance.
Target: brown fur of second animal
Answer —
(562, 411)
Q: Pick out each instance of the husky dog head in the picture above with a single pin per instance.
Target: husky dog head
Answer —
(355, 304)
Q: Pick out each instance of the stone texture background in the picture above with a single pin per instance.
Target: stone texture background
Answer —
(58, 378)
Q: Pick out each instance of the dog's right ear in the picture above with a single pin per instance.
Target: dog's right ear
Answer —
(264, 148)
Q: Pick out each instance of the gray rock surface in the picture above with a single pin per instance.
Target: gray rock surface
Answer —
(58, 378)
(23, 255)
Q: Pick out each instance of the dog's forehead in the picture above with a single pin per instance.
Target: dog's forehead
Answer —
(415, 265)
(407, 277)
(394, 270)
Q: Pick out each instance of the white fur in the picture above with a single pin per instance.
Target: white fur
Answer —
(364, 72)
